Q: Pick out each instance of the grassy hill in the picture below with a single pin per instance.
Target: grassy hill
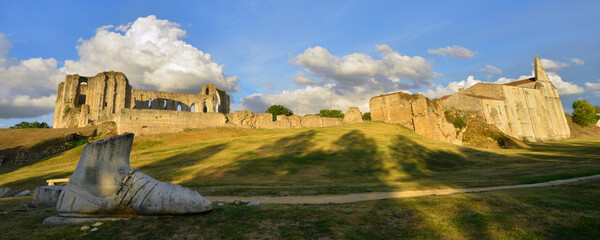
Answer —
(364, 157)
(370, 156)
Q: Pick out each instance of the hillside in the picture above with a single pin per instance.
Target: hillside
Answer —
(370, 156)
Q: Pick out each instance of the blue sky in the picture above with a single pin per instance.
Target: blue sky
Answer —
(307, 55)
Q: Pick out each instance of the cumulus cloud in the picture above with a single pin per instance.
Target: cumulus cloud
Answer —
(27, 87)
(308, 100)
(593, 87)
(452, 87)
(300, 79)
(453, 51)
(552, 66)
(150, 51)
(350, 80)
(577, 61)
(564, 88)
(491, 69)
(152, 54)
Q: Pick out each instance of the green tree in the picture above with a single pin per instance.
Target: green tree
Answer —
(279, 110)
(366, 116)
(35, 124)
(583, 113)
(331, 113)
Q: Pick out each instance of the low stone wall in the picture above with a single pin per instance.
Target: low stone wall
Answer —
(149, 121)
(415, 112)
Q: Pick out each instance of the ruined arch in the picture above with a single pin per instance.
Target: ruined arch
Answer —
(193, 107)
(150, 103)
(179, 107)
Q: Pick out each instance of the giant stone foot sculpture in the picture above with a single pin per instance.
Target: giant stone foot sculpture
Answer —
(104, 184)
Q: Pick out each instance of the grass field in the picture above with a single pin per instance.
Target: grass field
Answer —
(363, 157)
(366, 157)
(561, 212)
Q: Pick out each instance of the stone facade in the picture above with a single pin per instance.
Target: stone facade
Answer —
(415, 112)
(528, 109)
(81, 101)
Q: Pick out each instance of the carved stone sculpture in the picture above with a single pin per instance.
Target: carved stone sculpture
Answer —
(104, 184)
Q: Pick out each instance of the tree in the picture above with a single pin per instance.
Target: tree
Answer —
(35, 124)
(331, 113)
(279, 110)
(583, 113)
(366, 116)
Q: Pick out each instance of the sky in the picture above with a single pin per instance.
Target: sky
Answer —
(305, 55)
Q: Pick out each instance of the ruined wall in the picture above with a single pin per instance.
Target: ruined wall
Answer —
(152, 121)
(81, 101)
(415, 112)
(528, 109)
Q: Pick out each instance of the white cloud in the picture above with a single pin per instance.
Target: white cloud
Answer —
(153, 55)
(577, 61)
(346, 81)
(149, 51)
(491, 69)
(593, 87)
(452, 87)
(564, 88)
(300, 79)
(307, 100)
(453, 51)
(33, 80)
(552, 66)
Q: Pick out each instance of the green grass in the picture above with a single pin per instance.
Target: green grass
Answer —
(366, 157)
(561, 212)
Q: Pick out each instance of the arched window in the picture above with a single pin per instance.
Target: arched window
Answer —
(204, 109)
(206, 91)
(193, 108)
(150, 103)
(179, 107)
(165, 104)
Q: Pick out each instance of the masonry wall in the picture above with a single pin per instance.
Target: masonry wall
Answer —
(415, 112)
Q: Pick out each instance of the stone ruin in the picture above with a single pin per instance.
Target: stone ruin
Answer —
(108, 97)
(528, 109)
(81, 101)
(103, 185)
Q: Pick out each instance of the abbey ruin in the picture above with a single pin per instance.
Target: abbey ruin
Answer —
(108, 97)
(528, 109)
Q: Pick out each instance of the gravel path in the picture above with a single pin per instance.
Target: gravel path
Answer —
(355, 197)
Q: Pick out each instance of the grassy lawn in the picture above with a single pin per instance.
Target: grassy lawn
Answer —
(364, 157)
(561, 212)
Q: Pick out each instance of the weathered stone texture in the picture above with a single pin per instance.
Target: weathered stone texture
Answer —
(47, 195)
(103, 184)
(353, 115)
(415, 112)
(87, 100)
(528, 109)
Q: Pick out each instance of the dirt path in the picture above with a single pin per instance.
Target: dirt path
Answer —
(355, 197)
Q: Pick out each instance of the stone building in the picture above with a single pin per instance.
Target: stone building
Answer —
(528, 109)
(81, 101)
(108, 97)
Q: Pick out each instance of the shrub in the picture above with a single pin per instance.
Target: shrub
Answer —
(35, 124)
(279, 110)
(583, 113)
(331, 113)
(366, 116)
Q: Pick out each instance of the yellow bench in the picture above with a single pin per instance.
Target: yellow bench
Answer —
(51, 182)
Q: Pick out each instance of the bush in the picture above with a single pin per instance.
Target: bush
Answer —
(279, 110)
(366, 116)
(583, 113)
(331, 113)
(35, 124)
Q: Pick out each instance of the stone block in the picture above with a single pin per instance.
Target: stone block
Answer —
(46, 195)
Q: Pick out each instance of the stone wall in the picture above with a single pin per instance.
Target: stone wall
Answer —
(152, 121)
(82, 101)
(528, 109)
(415, 112)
